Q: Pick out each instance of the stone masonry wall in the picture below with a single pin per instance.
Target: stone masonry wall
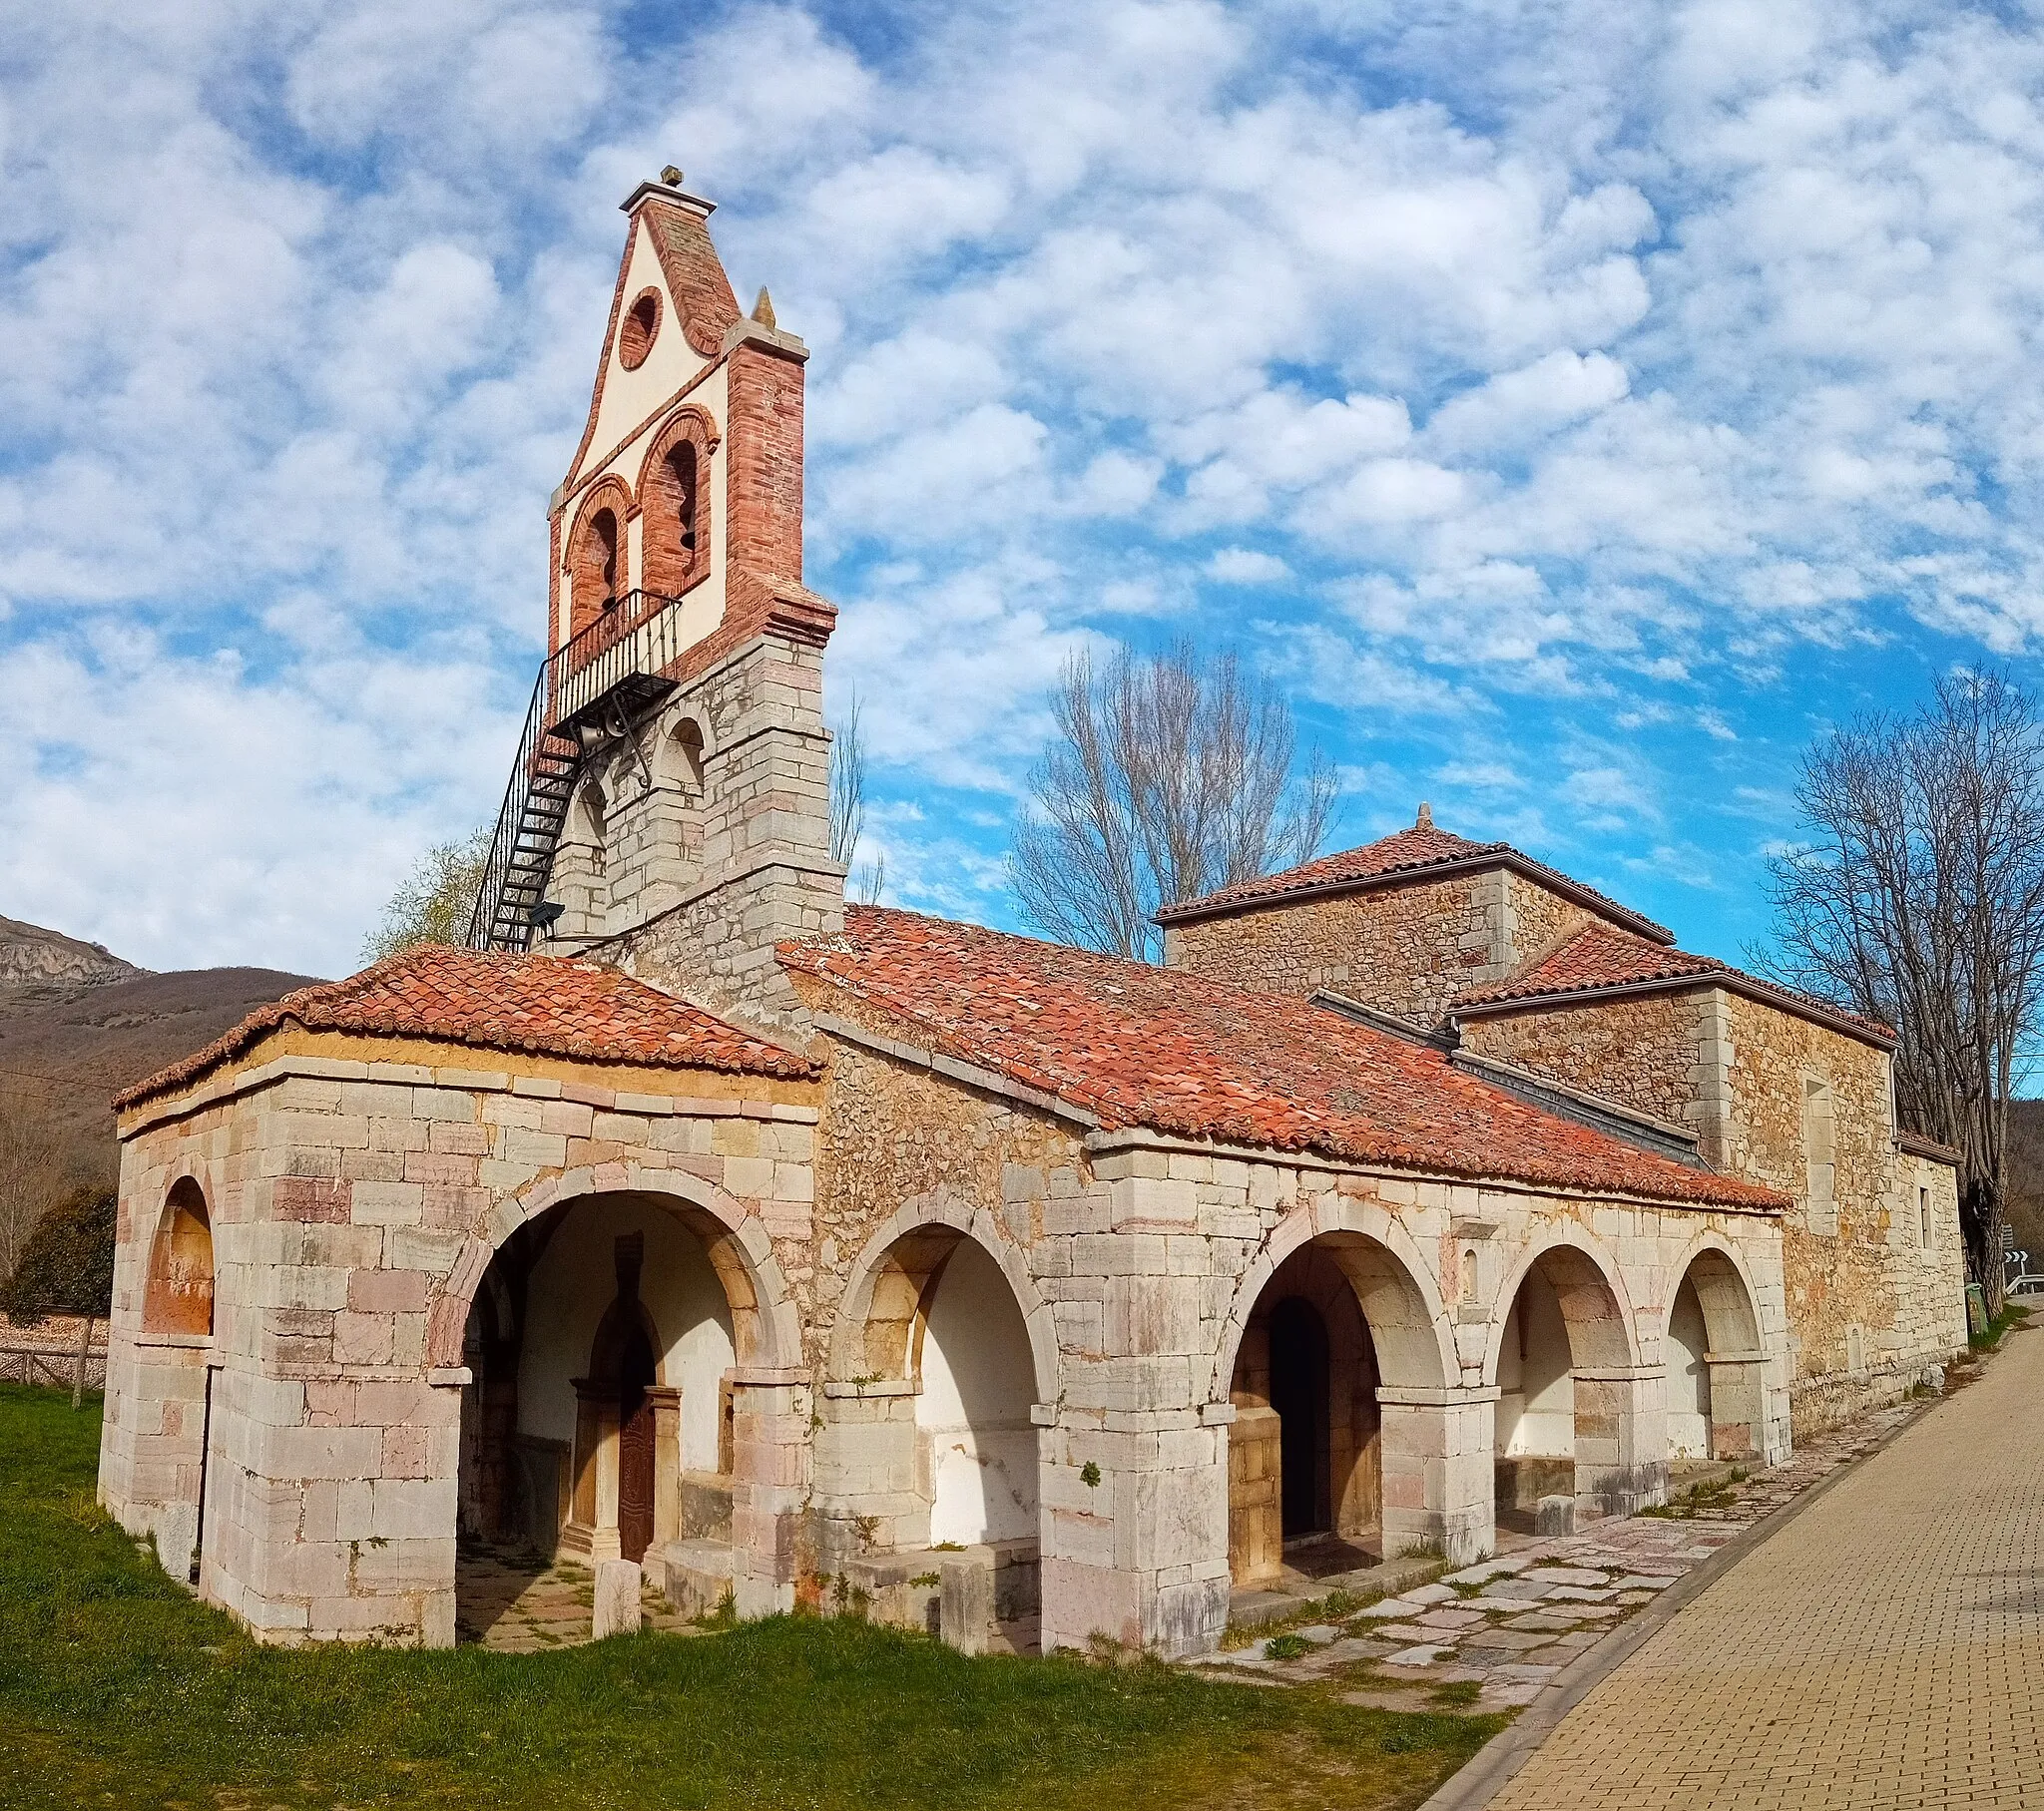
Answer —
(1642, 1052)
(355, 1201)
(1405, 948)
(1868, 1290)
(705, 927)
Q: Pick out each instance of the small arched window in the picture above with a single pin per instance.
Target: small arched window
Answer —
(637, 332)
(177, 1296)
(685, 755)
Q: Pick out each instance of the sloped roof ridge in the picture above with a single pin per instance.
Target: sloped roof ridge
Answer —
(1194, 1056)
(1403, 854)
(542, 1005)
(1600, 956)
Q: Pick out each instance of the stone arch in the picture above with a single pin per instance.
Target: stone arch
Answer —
(675, 502)
(1399, 1298)
(177, 1294)
(1721, 1385)
(598, 554)
(877, 1332)
(1578, 1416)
(685, 754)
(765, 1326)
(1602, 1328)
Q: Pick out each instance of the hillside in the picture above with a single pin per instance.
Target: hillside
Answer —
(77, 1024)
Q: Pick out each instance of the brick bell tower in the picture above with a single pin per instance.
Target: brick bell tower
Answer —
(670, 807)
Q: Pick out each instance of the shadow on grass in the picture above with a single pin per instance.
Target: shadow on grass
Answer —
(116, 1688)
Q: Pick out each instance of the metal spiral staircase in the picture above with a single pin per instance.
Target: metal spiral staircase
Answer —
(587, 692)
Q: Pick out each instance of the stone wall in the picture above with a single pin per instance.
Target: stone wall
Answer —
(355, 1202)
(1403, 949)
(1407, 947)
(1642, 1052)
(1868, 1308)
(703, 881)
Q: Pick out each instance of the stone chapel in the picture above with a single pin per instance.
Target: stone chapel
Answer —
(792, 1248)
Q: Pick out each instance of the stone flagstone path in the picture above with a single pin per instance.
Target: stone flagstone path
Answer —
(1491, 1636)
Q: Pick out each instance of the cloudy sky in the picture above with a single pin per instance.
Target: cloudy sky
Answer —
(1575, 405)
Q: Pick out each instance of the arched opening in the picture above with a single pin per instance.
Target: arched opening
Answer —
(177, 1296)
(1305, 1449)
(1715, 1367)
(1562, 1359)
(684, 764)
(932, 1457)
(601, 1344)
(594, 571)
(674, 489)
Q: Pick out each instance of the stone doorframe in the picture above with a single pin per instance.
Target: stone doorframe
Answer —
(1435, 1432)
(1737, 1360)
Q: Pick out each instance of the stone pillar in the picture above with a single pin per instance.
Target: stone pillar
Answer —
(866, 1471)
(1439, 1482)
(1621, 1439)
(666, 1401)
(1134, 1526)
(592, 1528)
(1739, 1415)
(771, 1462)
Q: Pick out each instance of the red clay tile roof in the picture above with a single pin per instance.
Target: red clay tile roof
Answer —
(547, 1004)
(1600, 956)
(1201, 1058)
(1391, 858)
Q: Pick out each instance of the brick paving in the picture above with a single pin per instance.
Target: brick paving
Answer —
(1882, 1651)
(1494, 1636)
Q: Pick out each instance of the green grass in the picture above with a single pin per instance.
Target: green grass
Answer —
(2011, 1317)
(118, 1689)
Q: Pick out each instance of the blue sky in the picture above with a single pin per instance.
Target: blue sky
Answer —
(1574, 406)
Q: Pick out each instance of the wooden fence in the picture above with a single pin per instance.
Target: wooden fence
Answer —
(51, 1365)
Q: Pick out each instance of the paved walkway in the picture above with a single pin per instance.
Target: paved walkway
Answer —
(1499, 1635)
(1884, 1650)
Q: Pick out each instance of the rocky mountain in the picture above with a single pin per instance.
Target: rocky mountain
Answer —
(30, 955)
(78, 1023)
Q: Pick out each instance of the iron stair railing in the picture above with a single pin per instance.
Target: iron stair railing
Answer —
(592, 687)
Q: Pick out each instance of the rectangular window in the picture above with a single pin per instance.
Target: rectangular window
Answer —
(1923, 1218)
(1820, 1153)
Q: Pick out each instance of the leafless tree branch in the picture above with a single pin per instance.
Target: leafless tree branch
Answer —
(1919, 901)
(1171, 776)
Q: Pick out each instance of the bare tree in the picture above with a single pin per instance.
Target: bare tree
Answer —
(848, 806)
(1919, 901)
(1172, 776)
(33, 1163)
(436, 900)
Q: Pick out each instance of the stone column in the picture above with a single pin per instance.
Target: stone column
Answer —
(1621, 1439)
(1135, 1527)
(1739, 1416)
(1440, 1483)
(666, 1401)
(770, 1465)
(592, 1527)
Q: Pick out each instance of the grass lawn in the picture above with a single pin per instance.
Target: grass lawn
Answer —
(116, 1688)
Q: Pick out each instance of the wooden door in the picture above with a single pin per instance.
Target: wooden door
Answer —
(635, 1450)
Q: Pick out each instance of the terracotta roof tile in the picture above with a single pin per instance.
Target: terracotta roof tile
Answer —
(1142, 1046)
(546, 1005)
(1601, 956)
(1409, 852)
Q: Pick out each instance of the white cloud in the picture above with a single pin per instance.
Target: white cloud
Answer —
(1245, 566)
